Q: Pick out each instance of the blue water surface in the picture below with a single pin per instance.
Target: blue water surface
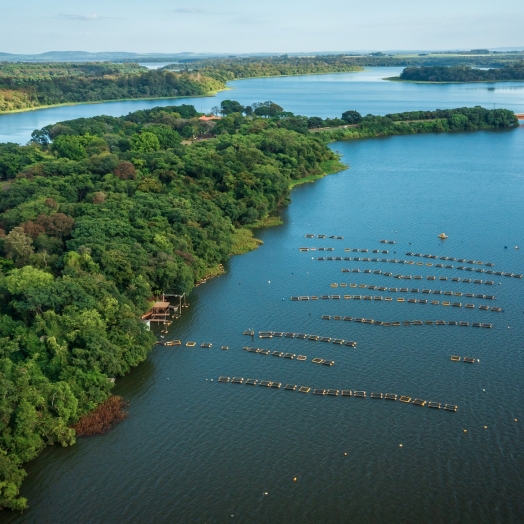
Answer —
(311, 95)
(194, 450)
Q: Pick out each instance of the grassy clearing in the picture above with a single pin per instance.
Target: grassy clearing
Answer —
(244, 241)
(267, 222)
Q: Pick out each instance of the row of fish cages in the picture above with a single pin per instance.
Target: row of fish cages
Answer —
(378, 251)
(304, 336)
(427, 264)
(452, 259)
(290, 356)
(362, 320)
(414, 290)
(337, 392)
(399, 299)
(189, 343)
(333, 237)
(416, 277)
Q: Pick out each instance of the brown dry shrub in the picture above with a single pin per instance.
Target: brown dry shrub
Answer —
(102, 418)
(33, 230)
(125, 171)
(99, 197)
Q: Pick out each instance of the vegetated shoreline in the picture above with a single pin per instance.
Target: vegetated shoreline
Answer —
(398, 79)
(94, 102)
(208, 95)
(245, 240)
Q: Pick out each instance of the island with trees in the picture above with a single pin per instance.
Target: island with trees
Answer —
(460, 74)
(249, 67)
(98, 215)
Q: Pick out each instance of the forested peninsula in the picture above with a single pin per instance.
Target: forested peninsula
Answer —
(98, 215)
(28, 86)
(443, 74)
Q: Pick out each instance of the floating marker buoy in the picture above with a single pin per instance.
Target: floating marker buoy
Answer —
(345, 454)
(485, 427)
(515, 420)
(400, 445)
(295, 479)
(465, 431)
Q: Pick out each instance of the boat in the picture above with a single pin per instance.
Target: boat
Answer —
(443, 236)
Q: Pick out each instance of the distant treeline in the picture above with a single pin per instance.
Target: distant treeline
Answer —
(231, 69)
(26, 86)
(463, 74)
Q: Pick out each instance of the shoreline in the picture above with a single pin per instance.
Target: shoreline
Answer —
(210, 94)
(398, 79)
(245, 240)
(93, 102)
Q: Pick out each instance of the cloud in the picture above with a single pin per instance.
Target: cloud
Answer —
(84, 18)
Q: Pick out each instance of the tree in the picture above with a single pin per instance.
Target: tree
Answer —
(125, 171)
(352, 117)
(56, 224)
(18, 245)
(314, 121)
(267, 109)
(145, 143)
(69, 146)
(230, 106)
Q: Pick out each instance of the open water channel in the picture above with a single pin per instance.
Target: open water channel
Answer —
(197, 451)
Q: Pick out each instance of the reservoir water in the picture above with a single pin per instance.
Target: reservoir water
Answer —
(198, 451)
(311, 95)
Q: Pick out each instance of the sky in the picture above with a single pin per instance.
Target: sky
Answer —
(243, 26)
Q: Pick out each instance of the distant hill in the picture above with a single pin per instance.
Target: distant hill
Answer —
(113, 56)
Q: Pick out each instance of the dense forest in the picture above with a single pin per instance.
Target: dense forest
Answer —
(231, 69)
(463, 74)
(26, 86)
(99, 214)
